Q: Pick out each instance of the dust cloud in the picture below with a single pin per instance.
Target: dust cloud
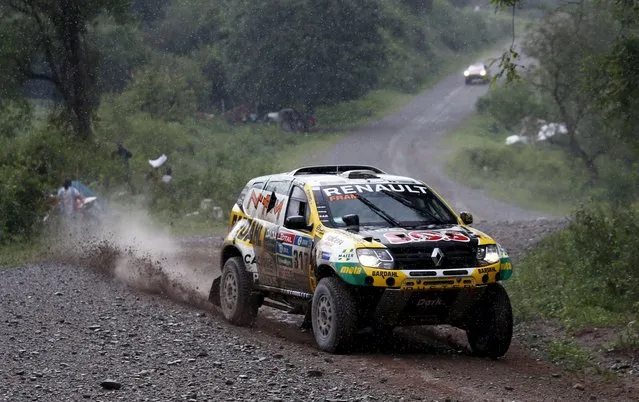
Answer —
(130, 247)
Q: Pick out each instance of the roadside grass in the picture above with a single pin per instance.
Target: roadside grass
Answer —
(627, 338)
(569, 355)
(537, 178)
(20, 253)
(196, 227)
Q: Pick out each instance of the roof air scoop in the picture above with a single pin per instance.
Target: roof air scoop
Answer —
(360, 174)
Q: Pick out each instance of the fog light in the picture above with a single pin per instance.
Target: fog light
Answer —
(369, 280)
(390, 281)
(484, 278)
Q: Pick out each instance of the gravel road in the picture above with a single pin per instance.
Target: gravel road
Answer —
(127, 320)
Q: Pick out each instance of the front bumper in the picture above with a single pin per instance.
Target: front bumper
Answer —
(410, 280)
(477, 77)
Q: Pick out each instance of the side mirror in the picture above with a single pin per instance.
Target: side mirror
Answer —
(352, 222)
(296, 222)
(466, 217)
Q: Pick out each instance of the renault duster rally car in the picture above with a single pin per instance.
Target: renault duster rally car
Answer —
(353, 247)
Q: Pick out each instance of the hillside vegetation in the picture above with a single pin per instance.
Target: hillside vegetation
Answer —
(585, 83)
(182, 78)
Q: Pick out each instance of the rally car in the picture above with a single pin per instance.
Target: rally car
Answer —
(477, 72)
(354, 248)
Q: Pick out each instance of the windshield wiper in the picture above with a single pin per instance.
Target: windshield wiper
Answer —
(399, 198)
(378, 211)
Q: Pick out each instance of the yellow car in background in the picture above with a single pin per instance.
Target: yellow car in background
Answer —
(477, 72)
(354, 248)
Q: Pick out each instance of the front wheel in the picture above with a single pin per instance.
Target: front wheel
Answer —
(490, 329)
(238, 305)
(333, 315)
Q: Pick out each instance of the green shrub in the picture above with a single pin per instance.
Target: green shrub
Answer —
(509, 104)
(21, 197)
(586, 274)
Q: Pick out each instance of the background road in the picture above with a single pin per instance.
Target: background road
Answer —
(410, 142)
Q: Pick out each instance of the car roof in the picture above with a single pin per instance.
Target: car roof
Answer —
(322, 175)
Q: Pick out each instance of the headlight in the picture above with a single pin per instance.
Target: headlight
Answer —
(466, 73)
(489, 254)
(375, 257)
(482, 72)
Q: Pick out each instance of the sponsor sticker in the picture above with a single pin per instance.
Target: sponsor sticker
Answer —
(429, 302)
(424, 236)
(285, 261)
(325, 255)
(487, 270)
(351, 270)
(346, 254)
(286, 237)
(385, 274)
(303, 241)
(374, 188)
(284, 249)
(333, 240)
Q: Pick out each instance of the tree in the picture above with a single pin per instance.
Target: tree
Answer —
(46, 40)
(284, 52)
(162, 92)
(564, 45)
(187, 26)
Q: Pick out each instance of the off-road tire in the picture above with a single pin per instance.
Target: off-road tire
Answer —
(239, 306)
(490, 328)
(468, 81)
(333, 315)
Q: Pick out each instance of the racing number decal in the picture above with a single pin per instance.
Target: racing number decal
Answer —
(301, 259)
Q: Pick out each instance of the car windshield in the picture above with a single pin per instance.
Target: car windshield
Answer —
(383, 205)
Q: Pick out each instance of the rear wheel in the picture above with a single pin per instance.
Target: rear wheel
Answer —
(238, 305)
(333, 315)
(490, 328)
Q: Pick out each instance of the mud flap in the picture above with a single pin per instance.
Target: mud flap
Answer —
(214, 293)
(390, 306)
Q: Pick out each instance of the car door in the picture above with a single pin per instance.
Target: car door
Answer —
(269, 207)
(294, 246)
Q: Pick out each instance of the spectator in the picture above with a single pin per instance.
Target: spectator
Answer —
(69, 198)
(168, 175)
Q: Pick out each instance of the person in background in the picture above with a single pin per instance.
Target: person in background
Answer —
(124, 155)
(168, 175)
(69, 198)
